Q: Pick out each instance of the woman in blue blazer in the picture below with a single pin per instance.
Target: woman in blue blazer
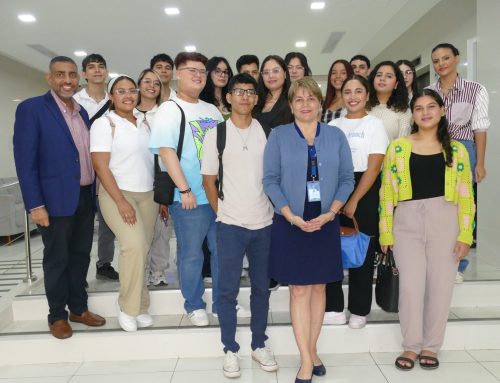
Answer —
(308, 174)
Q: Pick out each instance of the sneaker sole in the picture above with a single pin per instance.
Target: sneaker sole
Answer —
(335, 323)
(271, 368)
(105, 278)
(231, 375)
(144, 325)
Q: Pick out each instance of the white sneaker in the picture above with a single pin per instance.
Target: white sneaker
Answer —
(144, 320)
(357, 321)
(242, 312)
(198, 317)
(265, 358)
(231, 365)
(334, 317)
(127, 322)
(459, 277)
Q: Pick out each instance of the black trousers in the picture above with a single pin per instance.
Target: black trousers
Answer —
(361, 278)
(67, 243)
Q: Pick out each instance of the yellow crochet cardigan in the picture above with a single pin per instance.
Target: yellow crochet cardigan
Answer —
(396, 186)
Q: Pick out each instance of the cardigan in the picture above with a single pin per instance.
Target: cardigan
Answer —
(285, 167)
(396, 186)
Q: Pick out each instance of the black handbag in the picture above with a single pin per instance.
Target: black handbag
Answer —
(387, 285)
(164, 186)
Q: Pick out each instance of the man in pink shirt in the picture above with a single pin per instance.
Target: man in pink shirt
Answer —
(51, 152)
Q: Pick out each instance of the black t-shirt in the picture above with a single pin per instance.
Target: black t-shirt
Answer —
(427, 175)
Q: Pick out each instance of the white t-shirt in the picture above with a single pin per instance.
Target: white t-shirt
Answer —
(366, 136)
(88, 103)
(397, 124)
(131, 162)
(245, 203)
(200, 118)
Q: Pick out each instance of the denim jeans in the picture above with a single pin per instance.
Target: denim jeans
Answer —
(232, 244)
(191, 228)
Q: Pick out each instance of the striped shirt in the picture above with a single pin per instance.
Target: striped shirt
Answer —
(466, 108)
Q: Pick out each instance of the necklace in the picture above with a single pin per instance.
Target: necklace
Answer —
(244, 140)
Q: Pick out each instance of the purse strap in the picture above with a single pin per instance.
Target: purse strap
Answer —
(180, 143)
(345, 230)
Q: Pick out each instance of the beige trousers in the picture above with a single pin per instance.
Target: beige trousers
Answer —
(425, 233)
(135, 242)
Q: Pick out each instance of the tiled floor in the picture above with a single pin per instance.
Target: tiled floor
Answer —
(480, 366)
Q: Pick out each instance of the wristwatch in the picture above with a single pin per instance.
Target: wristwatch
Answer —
(188, 190)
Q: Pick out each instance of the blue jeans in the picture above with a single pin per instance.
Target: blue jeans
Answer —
(191, 228)
(232, 244)
(471, 150)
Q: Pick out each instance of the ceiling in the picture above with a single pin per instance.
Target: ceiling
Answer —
(128, 33)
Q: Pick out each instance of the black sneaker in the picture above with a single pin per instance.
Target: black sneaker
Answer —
(106, 272)
(274, 285)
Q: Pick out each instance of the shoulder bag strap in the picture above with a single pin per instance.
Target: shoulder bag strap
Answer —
(221, 144)
(180, 143)
(100, 112)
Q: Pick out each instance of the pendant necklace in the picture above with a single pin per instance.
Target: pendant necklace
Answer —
(244, 140)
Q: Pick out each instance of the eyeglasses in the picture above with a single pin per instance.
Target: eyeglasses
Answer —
(241, 92)
(123, 92)
(269, 72)
(194, 71)
(220, 72)
(295, 67)
(151, 82)
(407, 72)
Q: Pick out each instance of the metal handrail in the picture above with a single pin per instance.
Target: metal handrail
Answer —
(30, 277)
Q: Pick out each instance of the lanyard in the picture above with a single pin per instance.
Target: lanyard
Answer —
(314, 162)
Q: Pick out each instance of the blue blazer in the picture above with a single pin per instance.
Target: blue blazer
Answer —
(46, 157)
(285, 167)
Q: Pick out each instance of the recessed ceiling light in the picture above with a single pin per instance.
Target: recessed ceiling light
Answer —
(301, 44)
(172, 11)
(80, 53)
(317, 5)
(190, 48)
(17, 100)
(26, 18)
(113, 75)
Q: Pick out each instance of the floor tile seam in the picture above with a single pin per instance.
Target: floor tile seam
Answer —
(487, 369)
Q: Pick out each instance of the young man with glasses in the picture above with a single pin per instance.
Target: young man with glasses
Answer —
(164, 66)
(95, 100)
(244, 218)
(193, 217)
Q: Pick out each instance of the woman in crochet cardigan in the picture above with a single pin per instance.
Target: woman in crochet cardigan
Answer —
(427, 176)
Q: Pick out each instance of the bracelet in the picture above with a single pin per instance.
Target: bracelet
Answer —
(334, 213)
(188, 190)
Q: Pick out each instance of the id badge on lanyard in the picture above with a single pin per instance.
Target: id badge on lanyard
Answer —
(313, 189)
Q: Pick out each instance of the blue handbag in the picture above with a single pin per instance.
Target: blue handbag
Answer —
(354, 245)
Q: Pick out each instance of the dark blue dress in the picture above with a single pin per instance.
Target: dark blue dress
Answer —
(300, 258)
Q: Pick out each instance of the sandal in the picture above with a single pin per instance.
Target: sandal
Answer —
(403, 367)
(426, 365)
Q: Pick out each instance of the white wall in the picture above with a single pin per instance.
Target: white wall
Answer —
(488, 74)
(452, 21)
(18, 82)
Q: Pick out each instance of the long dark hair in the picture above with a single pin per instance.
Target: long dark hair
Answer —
(208, 93)
(443, 135)
(408, 63)
(303, 61)
(399, 96)
(330, 90)
(261, 88)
